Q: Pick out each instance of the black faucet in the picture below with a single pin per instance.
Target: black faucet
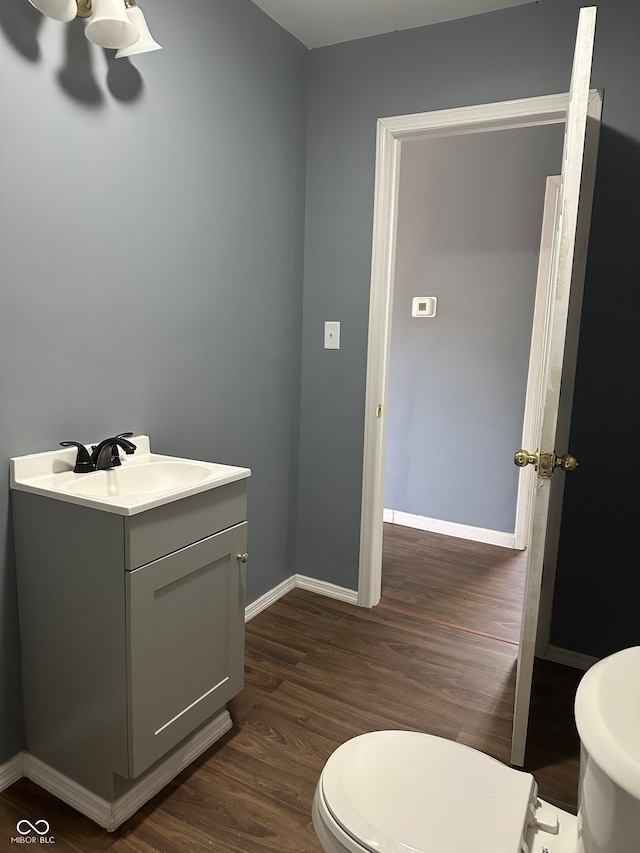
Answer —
(100, 459)
(105, 455)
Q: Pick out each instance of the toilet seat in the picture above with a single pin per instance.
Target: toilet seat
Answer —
(407, 792)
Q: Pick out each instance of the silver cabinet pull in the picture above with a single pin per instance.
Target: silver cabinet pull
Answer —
(242, 557)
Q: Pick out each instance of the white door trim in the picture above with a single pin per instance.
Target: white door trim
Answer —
(391, 133)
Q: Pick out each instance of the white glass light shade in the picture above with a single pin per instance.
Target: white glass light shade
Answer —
(59, 10)
(146, 43)
(109, 25)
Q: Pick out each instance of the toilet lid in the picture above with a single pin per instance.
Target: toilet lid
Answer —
(407, 792)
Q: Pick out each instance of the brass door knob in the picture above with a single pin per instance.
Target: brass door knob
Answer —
(545, 463)
(567, 462)
(523, 458)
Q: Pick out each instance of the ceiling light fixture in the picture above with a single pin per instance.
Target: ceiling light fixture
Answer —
(116, 24)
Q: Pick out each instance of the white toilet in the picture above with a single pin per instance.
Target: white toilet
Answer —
(406, 792)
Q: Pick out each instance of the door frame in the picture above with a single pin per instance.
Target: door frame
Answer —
(391, 133)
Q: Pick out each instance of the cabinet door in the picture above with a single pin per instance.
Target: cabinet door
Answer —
(185, 635)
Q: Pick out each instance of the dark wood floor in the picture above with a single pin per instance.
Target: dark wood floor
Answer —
(437, 655)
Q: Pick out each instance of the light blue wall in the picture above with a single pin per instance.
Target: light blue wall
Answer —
(520, 52)
(151, 257)
(469, 224)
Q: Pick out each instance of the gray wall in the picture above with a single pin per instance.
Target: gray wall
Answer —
(520, 52)
(469, 225)
(151, 258)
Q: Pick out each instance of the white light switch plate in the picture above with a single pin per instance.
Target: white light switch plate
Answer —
(424, 306)
(332, 335)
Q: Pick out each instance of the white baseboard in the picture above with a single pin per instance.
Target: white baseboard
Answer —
(330, 590)
(11, 771)
(269, 598)
(111, 815)
(450, 528)
(568, 658)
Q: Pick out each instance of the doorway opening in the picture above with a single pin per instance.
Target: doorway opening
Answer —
(393, 134)
(475, 224)
(462, 381)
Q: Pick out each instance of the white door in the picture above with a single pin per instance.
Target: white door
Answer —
(567, 277)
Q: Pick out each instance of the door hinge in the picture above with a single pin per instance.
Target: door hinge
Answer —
(379, 410)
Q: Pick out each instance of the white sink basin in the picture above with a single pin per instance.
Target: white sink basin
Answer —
(144, 479)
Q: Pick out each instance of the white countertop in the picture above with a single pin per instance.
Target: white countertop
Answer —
(51, 475)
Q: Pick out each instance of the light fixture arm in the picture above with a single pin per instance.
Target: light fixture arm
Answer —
(85, 8)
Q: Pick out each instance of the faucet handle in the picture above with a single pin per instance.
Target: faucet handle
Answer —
(120, 435)
(83, 461)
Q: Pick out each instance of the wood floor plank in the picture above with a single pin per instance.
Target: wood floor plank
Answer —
(489, 734)
(136, 844)
(375, 688)
(353, 713)
(483, 611)
(435, 641)
(295, 627)
(275, 754)
(237, 816)
(487, 594)
(321, 609)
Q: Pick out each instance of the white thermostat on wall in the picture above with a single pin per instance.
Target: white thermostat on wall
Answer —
(424, 306)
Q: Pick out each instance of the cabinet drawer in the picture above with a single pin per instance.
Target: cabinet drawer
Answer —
(185, 642)
(152, 534)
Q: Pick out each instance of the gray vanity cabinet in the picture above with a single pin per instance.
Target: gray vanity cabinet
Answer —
(132, 629)
(185, 642)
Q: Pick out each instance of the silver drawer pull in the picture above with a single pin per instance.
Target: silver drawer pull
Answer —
(242, 557)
